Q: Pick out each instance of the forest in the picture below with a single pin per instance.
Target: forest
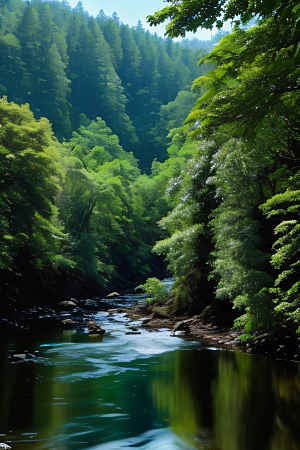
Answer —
(120, 150)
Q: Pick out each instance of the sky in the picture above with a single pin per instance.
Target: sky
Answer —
(130, 11)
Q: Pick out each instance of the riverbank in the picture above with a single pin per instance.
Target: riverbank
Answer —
(280, 346)
(75, 313)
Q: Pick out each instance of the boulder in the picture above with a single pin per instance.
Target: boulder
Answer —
(96, 331)
(112, 295)
(183, 325)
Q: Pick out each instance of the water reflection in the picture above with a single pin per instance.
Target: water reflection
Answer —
(231, 401)
(146, 391)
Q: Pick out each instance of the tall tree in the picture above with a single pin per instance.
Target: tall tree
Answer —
(111, 32)
(28, 186)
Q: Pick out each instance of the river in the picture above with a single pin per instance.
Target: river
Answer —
(147, 391)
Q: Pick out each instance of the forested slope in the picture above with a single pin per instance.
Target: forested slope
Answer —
(234, 167)
(66, 64)
(98, 95)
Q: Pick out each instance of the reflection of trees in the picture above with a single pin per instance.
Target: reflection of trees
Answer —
(286, 384)
(242, 401)
(185, 397)
(230, 401)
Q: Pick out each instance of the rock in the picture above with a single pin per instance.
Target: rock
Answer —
(112, 295)
(146, 321)
(90, 302)
(20, 355)
(133, 332)
(69, 322)
(96, 331)
(67, 303)
(183, 325)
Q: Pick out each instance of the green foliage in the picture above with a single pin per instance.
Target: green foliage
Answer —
(240, 262)
(82, 204)
(258, 68)
(171, 116)
(188, 16)
(247, 111)
(240, 322)
(28, 187)
(189, 241)
(107, 207)
(286, 258)
(67, 65)
(156, 290)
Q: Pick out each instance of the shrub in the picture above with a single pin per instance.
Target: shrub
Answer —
(156, 289)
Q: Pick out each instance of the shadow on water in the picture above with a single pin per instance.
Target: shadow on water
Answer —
(148, 391)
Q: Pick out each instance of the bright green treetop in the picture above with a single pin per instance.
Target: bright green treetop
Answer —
(187, 15)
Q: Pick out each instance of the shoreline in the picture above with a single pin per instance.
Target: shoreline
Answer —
(221, 337)
(153, 317)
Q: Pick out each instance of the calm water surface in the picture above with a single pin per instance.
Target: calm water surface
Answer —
(148, 391)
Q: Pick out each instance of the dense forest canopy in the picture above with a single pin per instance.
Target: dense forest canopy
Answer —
(234, 229)
(73, 194)
(208, 178)
(68, 65)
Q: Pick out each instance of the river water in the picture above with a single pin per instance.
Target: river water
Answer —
(147, 391)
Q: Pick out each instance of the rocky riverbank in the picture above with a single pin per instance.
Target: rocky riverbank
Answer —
(77, 314)
(280, 346)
